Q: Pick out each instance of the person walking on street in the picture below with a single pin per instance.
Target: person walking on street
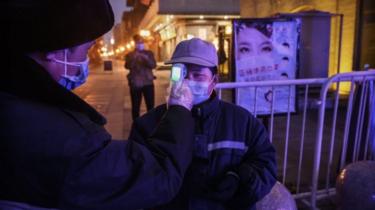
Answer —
(54, 149)
(140, 63)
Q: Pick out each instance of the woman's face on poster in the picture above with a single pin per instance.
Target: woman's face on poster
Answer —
(251, 42)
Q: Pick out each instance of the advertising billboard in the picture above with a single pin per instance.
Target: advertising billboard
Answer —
(266, 49)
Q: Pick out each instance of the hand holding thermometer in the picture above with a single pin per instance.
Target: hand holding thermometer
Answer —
(178, 72)
(179, 93)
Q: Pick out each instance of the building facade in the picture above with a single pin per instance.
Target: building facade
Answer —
(349, 47)
(351, 33)
(171, 21)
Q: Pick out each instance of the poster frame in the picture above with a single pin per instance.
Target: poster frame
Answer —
(298, 89)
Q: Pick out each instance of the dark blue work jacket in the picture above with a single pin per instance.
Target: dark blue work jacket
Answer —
(226, 137)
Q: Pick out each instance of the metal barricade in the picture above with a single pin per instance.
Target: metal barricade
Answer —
(358, 138)
(301, 153)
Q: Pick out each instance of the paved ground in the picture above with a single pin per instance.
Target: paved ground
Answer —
(108, 92)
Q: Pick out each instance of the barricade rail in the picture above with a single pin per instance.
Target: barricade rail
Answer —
(323, 113)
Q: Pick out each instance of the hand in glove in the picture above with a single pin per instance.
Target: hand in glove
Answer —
(180, 94)
(223, 189)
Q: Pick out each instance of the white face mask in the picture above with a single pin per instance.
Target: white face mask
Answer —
(71, 82)
(140, 46)
(200, 91)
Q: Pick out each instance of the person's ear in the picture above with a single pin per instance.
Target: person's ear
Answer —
(215, 80)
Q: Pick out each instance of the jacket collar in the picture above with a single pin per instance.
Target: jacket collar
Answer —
(204, 109)
(28, 80)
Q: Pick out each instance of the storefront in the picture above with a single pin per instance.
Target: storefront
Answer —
(205, 19)
(215, 30)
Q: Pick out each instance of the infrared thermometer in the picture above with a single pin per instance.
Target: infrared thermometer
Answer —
(178, 72)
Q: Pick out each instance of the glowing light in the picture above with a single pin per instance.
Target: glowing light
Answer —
(169, 18)
(342, 176)
(145, 33)
(158, 27)
(216, 43)
(228, 30)
(201, 17)
(112, 41)
(190, 36)
(225, 17)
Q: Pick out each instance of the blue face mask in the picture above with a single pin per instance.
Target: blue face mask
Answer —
(71, 82)
(200, 91)
(140, 46)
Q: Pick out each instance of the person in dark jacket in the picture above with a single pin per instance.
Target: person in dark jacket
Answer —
(234, 162)
(54, 149)
(140, 63)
